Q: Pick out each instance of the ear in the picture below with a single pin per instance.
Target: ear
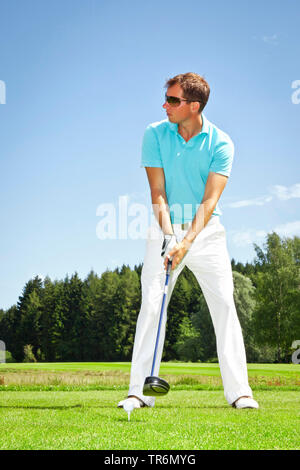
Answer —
(195, 106)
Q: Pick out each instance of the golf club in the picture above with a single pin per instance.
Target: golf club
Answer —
(155, 386)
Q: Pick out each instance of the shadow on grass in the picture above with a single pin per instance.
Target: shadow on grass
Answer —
(113, 406)
(196, 407)
(39, 407)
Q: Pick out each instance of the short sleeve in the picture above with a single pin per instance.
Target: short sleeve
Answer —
(222, 158)
(150, 150)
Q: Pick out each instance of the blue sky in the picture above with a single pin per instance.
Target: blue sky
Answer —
(84, 78)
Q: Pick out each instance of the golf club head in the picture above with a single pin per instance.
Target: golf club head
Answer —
(155, 387)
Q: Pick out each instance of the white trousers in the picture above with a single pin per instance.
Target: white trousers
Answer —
(209, 261)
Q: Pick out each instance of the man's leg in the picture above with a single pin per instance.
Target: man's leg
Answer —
(209, 261)
(153, 281)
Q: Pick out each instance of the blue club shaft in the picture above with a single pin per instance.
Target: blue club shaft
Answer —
(161, 314)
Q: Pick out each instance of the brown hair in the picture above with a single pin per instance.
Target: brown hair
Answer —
(194, 87)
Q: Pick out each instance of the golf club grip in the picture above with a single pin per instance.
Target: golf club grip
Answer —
(161, 312)
(169, 267)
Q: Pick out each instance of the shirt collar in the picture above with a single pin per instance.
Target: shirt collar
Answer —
(204, 130)
(205, 125)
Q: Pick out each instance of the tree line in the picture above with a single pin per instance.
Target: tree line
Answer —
(94, 319)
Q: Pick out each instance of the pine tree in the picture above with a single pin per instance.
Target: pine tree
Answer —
(8, 330)
(104, 319)
(28, 330)
(51, 324)
(177, 312)
(127, 301)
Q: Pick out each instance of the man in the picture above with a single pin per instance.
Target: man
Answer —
(188, 161)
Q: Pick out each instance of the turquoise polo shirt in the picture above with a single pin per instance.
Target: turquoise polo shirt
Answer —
(186, 164)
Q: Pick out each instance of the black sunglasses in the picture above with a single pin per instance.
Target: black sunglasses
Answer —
(174, 100)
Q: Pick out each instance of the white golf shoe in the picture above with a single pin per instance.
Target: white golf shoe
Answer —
(136, 402)
(245, 402)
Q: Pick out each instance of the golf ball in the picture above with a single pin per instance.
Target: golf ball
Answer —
(128, 406)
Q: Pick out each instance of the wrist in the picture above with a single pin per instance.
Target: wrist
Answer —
(169, 236)
(187, 243)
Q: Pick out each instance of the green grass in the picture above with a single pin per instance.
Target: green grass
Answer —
(104, 375)
(182, 420)
(177, 368)
(73, 406)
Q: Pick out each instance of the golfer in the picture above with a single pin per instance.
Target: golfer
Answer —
(188, 161)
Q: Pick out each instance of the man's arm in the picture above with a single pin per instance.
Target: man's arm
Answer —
(213, 189)
(156, 178)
